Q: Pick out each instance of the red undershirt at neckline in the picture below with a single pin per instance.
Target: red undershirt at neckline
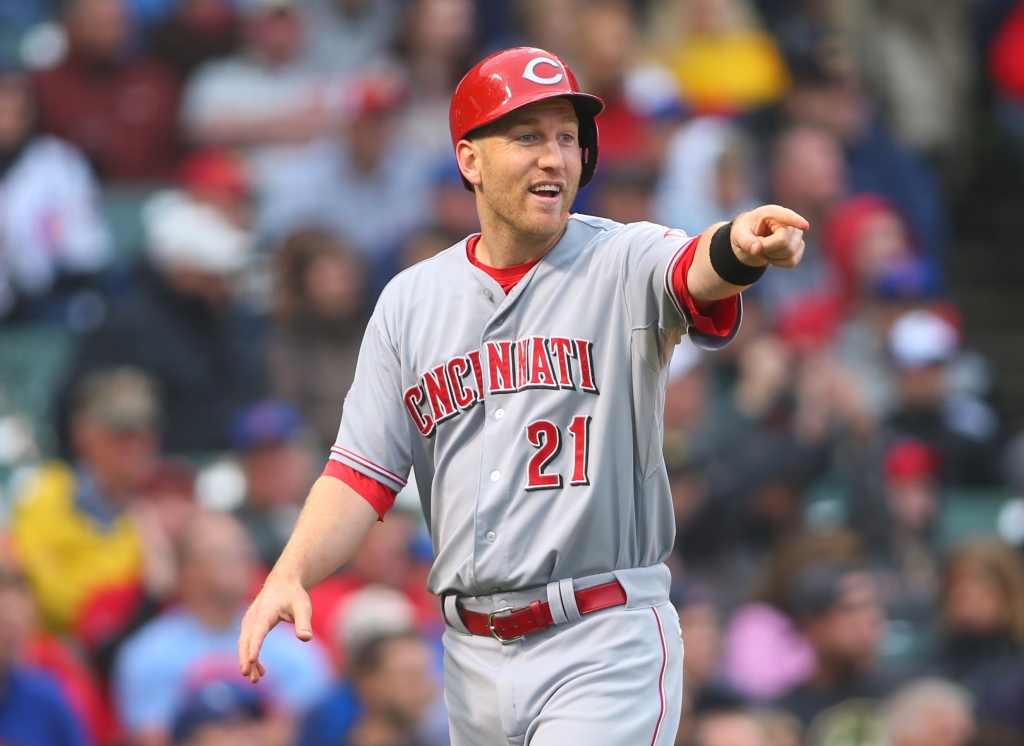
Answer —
(507, 277)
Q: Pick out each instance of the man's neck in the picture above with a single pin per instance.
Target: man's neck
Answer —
(215, 615)
(502, 246)
(377, 731)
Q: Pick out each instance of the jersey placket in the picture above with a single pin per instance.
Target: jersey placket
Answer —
(496, 468)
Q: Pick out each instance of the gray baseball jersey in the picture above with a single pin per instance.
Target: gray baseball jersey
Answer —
(533, 420)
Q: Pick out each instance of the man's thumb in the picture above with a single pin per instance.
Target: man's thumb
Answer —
(303, 622)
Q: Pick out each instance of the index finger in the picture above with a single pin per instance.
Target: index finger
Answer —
(784, 216)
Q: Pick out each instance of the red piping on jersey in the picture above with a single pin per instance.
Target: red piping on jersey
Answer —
(507, 277)
(716, 319)
(380, 497)
(368, 464)
(661, 679)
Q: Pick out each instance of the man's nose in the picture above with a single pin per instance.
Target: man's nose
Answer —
(552, 157)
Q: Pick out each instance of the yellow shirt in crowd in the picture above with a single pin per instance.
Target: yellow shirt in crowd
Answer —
(67, 554)
(730, 73)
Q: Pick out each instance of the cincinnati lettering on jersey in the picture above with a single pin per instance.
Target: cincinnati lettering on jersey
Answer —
(530, 363)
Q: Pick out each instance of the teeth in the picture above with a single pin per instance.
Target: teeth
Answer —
(547, 188)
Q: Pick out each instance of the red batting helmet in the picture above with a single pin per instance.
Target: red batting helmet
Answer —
(514, 78)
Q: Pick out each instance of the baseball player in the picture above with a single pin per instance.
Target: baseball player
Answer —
(521, 373)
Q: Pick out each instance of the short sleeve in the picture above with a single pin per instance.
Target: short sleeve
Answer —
(375, 437)
(656, 262)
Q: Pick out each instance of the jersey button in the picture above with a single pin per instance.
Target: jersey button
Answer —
(495, 476)
(491, 536)
(499, 414)
(488, 294)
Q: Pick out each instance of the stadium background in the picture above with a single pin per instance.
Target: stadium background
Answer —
(200, 200)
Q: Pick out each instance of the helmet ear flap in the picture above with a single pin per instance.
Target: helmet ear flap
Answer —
(588, 144)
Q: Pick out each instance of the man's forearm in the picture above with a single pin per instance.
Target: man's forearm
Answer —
(702, 281)
(332, 525)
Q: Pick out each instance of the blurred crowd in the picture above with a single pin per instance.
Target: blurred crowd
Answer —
(207, 196)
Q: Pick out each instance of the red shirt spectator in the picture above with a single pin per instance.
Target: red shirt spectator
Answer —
(123, 114)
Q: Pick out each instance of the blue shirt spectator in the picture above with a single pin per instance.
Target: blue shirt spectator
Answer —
(187, 646)
(33, 712)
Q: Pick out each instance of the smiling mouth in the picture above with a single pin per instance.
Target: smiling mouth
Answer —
(547, 191)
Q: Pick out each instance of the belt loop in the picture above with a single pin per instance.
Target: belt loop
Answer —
(555, 603)
(452, 616)
(568, 594)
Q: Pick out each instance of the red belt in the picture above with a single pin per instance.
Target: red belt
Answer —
(513, 624)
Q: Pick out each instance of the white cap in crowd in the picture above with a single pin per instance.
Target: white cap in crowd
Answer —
(184, 234)
(920, 338)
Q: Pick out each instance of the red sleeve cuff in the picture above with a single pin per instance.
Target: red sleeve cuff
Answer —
(717, 319)
(378, 495)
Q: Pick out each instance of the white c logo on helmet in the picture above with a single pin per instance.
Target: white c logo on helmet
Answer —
(529, 73)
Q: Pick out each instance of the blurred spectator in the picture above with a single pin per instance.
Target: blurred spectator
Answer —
(263, 100)
(182, 324)
(605, 56)
(350, 186)
(198, 31)
(726, 727)
(51, 231)
(396, 685)
(624, 193)
(765, 655)
(779, 727)
(372, 612)
(33, 710)
(879, 274)
(221, 713)
(276, 449)
(1001, 709)
(1006, 68)
(962, 428)
(701, 627)
(808, 175)
(724, 63)
(162, 509)
(320, 316)
(707, 177)
(196, 642)
(436, 47)
(983, 612)
(901, 532)
(454, 217)
(829, 97)
(122, 112)
(73, 528)
(837, 609)
(917, 61)
(349, 36)
(929, 712)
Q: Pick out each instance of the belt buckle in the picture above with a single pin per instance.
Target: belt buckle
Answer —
(494, 632)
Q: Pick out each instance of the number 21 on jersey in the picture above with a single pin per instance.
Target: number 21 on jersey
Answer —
(546, 437)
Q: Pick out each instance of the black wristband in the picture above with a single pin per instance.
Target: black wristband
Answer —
(727, 265)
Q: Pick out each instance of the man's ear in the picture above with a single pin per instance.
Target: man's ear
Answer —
(467, 155)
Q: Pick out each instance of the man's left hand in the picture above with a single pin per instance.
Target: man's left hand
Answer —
(769, 235)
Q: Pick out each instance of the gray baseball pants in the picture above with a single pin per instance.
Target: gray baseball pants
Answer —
(611, 678)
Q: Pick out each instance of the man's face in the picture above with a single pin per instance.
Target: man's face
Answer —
(98, 28)
(117, 458)
(848, 635)
(17, 618)
(278, 475)
(527, 168)
(217, 561)
(403, 687)
(16, 111)
(275, 35)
